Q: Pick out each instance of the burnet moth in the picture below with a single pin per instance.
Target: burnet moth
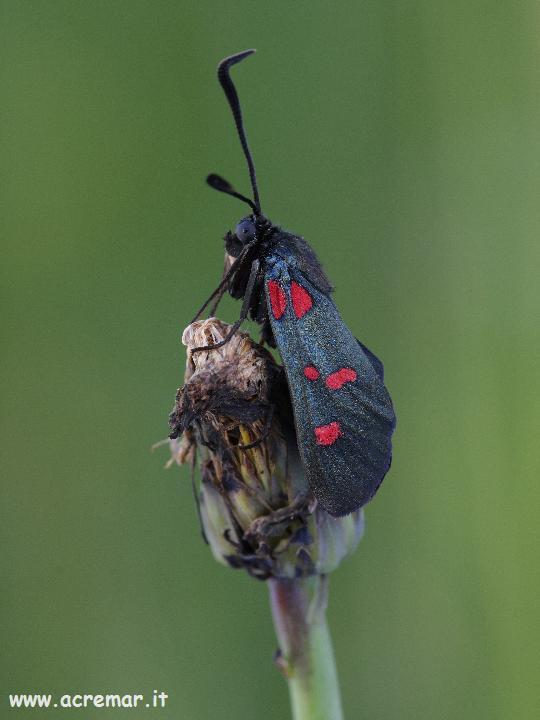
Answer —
(343, 412)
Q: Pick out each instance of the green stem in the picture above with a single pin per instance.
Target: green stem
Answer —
(305, 656)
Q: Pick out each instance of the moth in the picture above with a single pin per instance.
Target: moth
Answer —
(342, 410)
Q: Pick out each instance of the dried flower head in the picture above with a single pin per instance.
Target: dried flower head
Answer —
(233, 416)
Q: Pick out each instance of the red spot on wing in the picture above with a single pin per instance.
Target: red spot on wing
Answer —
(278, 299)
(301, 300)
(336, 380)
(311, 372)
(328, 434)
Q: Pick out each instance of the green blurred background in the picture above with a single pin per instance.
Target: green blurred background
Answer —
(401, 139)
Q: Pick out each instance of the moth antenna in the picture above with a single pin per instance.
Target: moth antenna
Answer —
(218, 183)
(232, 97)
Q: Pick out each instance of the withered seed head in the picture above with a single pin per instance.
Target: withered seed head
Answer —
(255, 506)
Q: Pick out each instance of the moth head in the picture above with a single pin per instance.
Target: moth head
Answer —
(244, 234)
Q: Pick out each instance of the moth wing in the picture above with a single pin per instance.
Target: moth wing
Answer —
(374, 360)
(343, 412)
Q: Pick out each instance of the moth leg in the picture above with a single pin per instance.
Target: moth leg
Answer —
(265, 432)
(216, 302)
(259, 313)
(255, 266)
(266, 526)
(221, 288)
(267, 336)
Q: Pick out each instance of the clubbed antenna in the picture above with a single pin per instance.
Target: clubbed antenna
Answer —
(219, 183)
(232, 96)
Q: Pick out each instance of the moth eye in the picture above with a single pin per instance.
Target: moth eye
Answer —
(245, 231)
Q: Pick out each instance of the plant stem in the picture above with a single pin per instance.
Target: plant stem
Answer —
(306, 657)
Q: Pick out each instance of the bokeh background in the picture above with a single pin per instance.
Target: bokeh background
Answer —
(401, 139)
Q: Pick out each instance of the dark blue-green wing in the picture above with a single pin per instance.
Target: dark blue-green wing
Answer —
(343, 412)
